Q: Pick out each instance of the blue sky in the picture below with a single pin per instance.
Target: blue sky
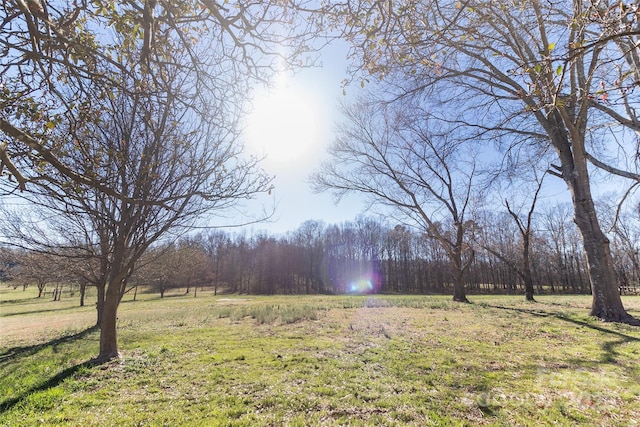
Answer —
(320, 90)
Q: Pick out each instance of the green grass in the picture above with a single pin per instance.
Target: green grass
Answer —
(319, 360)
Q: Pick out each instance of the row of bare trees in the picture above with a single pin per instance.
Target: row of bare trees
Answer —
(366, 255)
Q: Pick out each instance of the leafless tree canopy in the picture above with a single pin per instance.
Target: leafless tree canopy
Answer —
(398, 156)
(121, 119)
(61, 61)
(553, 74)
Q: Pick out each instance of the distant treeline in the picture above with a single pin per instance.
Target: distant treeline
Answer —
(363, 256)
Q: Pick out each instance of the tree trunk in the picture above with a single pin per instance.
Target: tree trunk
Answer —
(528, 291)
(83, 288)
(108, 335)
(527, 277)
(100, 303)
(606, 304)
(459, 291)
(569, 144)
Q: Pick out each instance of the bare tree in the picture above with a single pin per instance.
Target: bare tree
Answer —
(521, 265)
(7, 262)
(123, 120)
(397, 159)
(398, 249)
(565, 256)
(168, 165)
(216, 244)
(308, 237)
(194, 267)
(172, 266)
(37, 269)
(537, 72)
(60, 61)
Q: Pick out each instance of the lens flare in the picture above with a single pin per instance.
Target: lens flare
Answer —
(363, 277)
(362, 286)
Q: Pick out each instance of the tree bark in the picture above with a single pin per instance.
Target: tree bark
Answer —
(527, 277)
(459, 290)
(100, 304)
(528, 292)
(108, 332)
(83, 288)
(606, 302)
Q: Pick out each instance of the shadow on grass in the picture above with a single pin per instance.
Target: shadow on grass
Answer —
(608, 347)
(15, 352)
(51, 383)
(44, 310)
(21, 301)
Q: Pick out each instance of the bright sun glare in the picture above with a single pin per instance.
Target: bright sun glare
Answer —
(283, 124)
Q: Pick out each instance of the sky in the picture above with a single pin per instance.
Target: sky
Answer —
(292, 125)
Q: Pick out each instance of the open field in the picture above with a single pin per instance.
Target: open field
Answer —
(320, 360)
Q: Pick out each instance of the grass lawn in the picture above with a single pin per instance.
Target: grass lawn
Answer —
(319, 360)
